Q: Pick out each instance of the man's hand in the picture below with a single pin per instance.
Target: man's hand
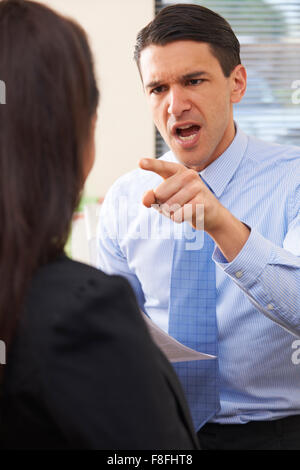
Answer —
(183, 186)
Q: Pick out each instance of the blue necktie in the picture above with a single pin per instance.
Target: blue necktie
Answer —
(192, 321)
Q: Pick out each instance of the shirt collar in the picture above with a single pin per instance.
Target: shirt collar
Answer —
(218, 174)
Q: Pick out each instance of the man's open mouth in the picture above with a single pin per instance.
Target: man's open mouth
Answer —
(188, 132)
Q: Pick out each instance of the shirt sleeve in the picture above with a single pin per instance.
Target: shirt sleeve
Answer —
(110, 257)
(270, 277)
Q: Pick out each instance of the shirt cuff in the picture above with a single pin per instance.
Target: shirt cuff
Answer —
(248, 265)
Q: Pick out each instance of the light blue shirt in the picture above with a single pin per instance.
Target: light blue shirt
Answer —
(258, 293)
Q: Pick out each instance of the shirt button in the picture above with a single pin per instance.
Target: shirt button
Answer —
(239, 274)
(270, 306)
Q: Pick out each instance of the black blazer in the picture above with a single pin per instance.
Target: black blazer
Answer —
(83, 372)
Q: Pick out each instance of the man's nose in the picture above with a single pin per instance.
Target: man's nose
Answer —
(178, 101)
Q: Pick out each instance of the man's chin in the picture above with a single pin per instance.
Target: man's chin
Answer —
(196, 162)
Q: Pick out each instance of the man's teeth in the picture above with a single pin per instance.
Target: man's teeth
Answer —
(180, 131)
(189, 137)
(185, 127)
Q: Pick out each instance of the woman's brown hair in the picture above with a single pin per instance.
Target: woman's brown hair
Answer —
(51, 98)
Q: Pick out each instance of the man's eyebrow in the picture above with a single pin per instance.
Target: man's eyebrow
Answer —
(187, 76)
(197, 73)
(153, 84)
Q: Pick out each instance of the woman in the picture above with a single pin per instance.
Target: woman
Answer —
(82, 371)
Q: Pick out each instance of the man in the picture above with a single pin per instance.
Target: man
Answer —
(188, 59)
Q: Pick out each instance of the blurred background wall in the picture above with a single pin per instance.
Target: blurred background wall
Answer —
(124, 131)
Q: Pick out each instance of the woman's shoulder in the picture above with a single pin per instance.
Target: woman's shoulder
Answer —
(83, 345)
(74, 298)
(67, 281)
(72, 307)
(69, 272)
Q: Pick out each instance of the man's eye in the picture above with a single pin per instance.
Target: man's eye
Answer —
(195, 81)
(158, 89)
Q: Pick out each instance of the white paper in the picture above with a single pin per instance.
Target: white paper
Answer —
(173, 349)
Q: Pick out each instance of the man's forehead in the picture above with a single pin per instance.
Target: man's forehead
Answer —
(186, 47)
(175, 60)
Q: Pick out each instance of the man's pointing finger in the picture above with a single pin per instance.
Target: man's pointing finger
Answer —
(162, 168)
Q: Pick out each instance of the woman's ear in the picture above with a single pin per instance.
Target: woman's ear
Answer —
(238, 83)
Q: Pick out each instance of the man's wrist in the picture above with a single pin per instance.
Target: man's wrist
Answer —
(229, 233)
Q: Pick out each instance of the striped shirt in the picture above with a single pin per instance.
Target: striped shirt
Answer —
(258, 293)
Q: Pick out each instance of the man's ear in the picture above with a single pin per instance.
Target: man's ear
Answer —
(238, 79)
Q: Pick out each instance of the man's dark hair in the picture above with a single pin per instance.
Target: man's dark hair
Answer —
(196, 23)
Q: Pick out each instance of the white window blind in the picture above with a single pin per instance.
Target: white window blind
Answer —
(269, 34)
